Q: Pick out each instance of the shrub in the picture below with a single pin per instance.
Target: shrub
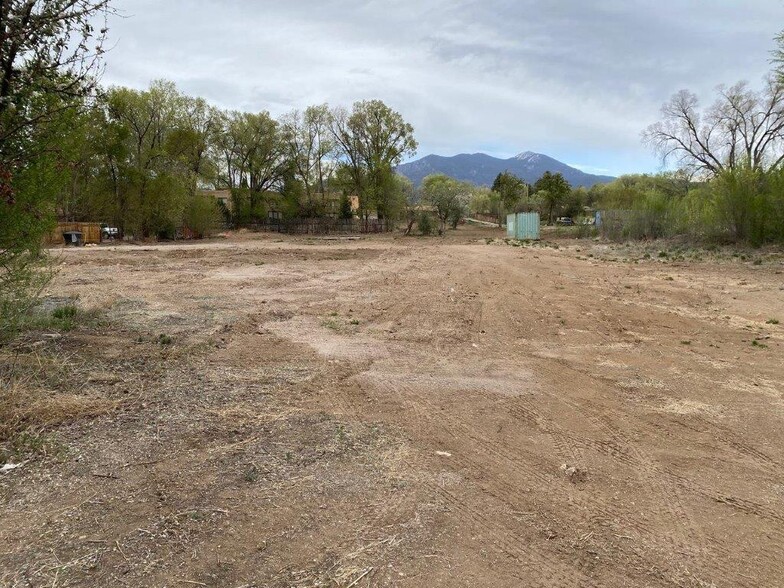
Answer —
(65, 312)
(22, 279)
(456, 214)
(425, 224)
(202, 216)
(739, 205)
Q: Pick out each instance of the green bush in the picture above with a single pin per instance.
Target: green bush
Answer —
(743, 205)
(202, 216)
(425, 224)
(456, 214)
(26, 216)
(22, 278)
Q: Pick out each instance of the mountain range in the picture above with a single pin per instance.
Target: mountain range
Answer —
(482, 169)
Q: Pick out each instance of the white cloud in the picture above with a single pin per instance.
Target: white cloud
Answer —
(570, 78)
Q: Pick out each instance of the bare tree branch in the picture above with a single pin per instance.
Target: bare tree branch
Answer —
(742, 128)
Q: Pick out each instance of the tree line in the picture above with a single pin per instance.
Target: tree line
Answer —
(729, 183)
(138, 159)
(551, 196)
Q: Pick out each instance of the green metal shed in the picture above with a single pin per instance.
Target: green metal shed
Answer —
(523, 225)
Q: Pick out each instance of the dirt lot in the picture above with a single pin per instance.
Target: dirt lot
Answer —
(413, 412)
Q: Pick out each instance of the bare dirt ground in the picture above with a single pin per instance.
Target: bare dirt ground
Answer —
(407, 412)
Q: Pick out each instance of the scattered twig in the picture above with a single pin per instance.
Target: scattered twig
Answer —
(362, 575)
(192, 582)
(208, 509)
(110, 476)
(117, 543)
(586, 536)
(141, 463)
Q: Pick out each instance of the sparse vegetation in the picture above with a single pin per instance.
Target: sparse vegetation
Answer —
(293, 402)
(380, 410)
(38, 391)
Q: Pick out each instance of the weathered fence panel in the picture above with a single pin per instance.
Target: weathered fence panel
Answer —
(322, 226)
(91, 232)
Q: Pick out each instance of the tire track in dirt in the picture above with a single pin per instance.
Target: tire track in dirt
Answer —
(457, 429)
(625, 450)
(618, 446)
(684, 536)
(546, 569)
(567, 450)
(569, 446)
(498, 454)
(724, 435)
(721, 434)
(641, 459)
(554, 572)
(669, 484)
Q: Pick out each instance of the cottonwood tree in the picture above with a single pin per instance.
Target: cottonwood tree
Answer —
(155, 155)
(150, 188)
(448, 196)
(197, 123)
(310, 148)
(511, 190)
(372, 140)
(743, 127)
(552, 189)
(252, 156)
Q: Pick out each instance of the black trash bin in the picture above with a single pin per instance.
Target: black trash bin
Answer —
(73, 238)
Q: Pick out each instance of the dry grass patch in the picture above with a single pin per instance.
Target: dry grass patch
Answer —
(29, 409)
(45, 382)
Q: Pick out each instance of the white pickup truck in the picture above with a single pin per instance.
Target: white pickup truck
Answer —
(108, 232)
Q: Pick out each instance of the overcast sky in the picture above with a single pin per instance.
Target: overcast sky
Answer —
(574, 79)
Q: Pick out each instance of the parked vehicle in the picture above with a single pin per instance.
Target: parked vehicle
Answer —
(108, 232)
(566, 221)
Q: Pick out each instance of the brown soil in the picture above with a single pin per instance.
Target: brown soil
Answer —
(408, 412)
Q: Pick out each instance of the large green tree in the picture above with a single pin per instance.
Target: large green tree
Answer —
(373, 139)
(512, 191)
(49, 52)
(449, 198)
(310, 148)
(554, 190)
(251, 152)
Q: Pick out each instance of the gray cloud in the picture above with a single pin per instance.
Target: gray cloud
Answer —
(574, 79)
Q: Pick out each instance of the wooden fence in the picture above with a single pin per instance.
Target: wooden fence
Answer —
(91, 233)
(322, 226)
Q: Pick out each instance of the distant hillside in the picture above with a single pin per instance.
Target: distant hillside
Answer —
(482, 169)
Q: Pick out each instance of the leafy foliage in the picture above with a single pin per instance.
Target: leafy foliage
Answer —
(511, 190)
(449, 198)
(372, 139)
(741, 205)
(48, 53)
(425, 224)
(552, 189)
